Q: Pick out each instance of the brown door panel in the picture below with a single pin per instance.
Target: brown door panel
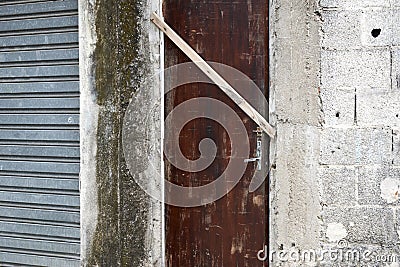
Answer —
(230, 231)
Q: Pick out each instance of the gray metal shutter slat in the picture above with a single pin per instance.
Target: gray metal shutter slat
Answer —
(36, 183)
(38, 24)
(39, 55)
(40, 151)
(39, 87)
(18, 2)
(39, 245)
(39, 215)
(35, 260)
(41, 71)
(38, 167)
(43, 103)
(39, 7)
(42, 230)
(39, 133)
(39, 39)
(42, 199)
(56, 119)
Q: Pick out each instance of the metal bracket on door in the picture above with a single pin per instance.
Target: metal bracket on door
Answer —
(258, 150)
(213, 75)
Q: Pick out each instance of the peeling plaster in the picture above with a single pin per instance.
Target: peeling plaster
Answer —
(336, 232)
(390, 190)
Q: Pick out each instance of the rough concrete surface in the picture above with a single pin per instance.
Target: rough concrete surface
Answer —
(121, 225)
(335, 103)
(295, 110)
(88, 129)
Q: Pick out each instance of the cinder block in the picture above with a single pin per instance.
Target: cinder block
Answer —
(341, 29)
(396, 146)
(396, 24)
(338, 185)
(355, 4)
(367, 225)
(369, 184)
(396, 68)
(347, 29)
(378, 108)
(338, 106)
(357, 69)
(356, 146)
(397, 221)
(376, 27)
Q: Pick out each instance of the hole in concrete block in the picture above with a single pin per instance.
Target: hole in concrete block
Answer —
(376, 32)
(397, 115)
(337, 114)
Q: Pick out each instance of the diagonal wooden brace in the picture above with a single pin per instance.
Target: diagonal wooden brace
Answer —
(213, 75)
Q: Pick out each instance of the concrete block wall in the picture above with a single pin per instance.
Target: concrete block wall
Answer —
(335, 101)
(359, 163)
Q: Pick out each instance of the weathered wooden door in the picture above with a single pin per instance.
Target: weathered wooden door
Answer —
(230, 231)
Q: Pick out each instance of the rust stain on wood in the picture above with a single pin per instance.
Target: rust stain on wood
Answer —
(230, 231)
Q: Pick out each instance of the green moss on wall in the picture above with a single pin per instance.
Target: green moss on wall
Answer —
(122, 221)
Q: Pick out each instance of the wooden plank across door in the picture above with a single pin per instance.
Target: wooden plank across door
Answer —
(230, 231)
(213, 75)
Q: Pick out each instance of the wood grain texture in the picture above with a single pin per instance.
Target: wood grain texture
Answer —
(230, 231)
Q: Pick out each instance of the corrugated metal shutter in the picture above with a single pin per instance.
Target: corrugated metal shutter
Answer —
(39, 133)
